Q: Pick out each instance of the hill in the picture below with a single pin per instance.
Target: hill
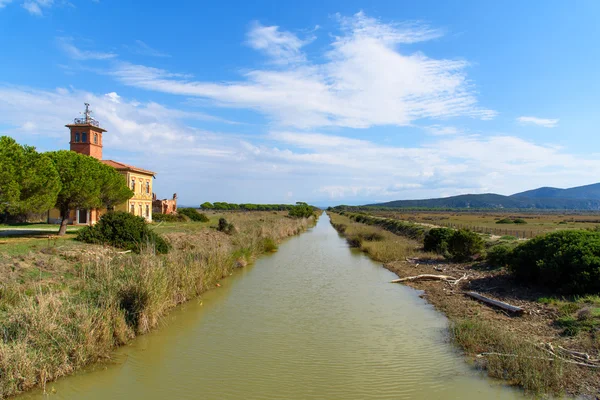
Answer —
(588, 192)
(577, 198)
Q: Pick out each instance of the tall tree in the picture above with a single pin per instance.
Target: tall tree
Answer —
(29, 181)
(86, 183)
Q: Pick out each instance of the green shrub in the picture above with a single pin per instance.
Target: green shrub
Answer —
(436, 240)
(499, 256)
(158, 217)
(225, 226)
(123, 230)
(505, 221)
(464, 244)
(301, 210)
(566, 260)
(269, 245)
(193, 214)
(519, 221)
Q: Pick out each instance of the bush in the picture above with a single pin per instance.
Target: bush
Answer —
(519, 221)
(193, 214)
(225, 226)
(301, 210)
(436, 240)
(123, 230)
(464, 244)
(505, 221)
(564, 260)
(158, 217)
(499, 256)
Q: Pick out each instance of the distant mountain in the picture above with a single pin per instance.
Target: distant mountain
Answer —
(587, 192)
(577, 198)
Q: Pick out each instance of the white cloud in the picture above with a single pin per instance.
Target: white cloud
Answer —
(440, 130)
(144, 49)
(272, 168)
(281, 47)
(3, 3)
(365, 80)
(35, 6)
(545, 122)
(66, 45)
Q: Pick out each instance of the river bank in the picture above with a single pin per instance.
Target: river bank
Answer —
(64, 304)
(477, 328)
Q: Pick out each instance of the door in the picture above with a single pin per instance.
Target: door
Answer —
(82, 217)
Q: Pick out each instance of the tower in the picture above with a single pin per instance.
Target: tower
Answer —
(86, 135)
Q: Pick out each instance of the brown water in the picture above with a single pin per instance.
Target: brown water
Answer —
(316, 320)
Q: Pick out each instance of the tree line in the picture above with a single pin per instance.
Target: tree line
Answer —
(223, 206)
(33, 182)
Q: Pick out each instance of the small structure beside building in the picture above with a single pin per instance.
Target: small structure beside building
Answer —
(164, 206)
(86, 138)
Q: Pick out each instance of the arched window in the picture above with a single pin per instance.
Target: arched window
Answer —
(140, 208)
(133, 184)
(95, 138)
(147, 211)
(84, 137)
(132, 209)
(77, 137)
(147, 187)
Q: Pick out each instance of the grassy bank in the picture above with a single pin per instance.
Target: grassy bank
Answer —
(65, 304)
(520, 356)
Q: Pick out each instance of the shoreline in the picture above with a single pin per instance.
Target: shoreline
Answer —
(476, 328)
(58, 325)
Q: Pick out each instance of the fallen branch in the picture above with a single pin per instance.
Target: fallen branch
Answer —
(124, 252)
(462, 278)
(425, 277)
(581, 364)
(496, 303)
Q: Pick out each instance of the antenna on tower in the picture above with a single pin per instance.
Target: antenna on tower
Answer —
(88, 119)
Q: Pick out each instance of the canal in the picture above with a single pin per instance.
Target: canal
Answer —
(316, 320)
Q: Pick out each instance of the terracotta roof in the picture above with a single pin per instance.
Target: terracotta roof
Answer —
(124, 167)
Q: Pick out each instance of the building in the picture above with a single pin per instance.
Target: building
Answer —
(164, 206)
(86, 138)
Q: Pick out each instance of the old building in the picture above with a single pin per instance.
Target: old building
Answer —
(164, 206)
(86, 138)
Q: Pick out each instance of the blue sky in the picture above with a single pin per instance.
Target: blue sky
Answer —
(323, 101)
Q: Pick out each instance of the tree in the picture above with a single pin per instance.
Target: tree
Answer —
(86, 183)
(206, 206)
(29, 181)
(114, 187)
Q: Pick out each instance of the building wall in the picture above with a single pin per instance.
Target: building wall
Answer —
(141, 184)
(86, 139)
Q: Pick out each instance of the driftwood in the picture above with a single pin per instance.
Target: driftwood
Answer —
(425, 277)
(581, 364)
(496, 303)
(124, 252)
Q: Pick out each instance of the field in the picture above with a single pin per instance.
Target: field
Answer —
(487, 222)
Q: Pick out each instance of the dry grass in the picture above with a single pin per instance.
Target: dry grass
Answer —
(63, 308)
(380, 244)
(518, 361)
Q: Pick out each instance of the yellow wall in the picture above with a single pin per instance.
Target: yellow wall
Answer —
(142, 195)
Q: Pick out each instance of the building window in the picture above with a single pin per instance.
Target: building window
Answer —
(132, 209)
(95, 138)
(147, 211)
(133, 184)
(84, 137)
(140, 208)
(147, 187)
(76, 137)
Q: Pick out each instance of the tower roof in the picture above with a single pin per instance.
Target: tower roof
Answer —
(86, 120)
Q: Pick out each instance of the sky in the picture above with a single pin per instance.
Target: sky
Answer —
(328, 102)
